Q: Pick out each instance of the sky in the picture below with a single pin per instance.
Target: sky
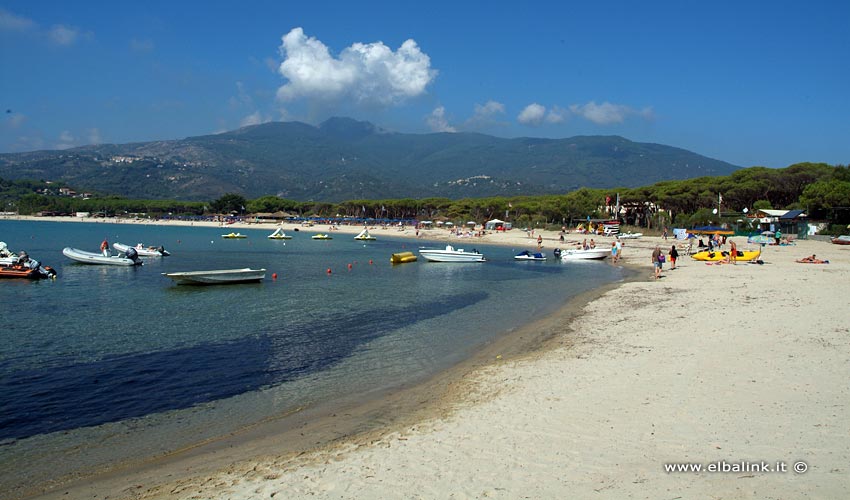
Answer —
(752, 83)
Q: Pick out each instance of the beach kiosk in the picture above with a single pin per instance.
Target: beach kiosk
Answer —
(497, 225)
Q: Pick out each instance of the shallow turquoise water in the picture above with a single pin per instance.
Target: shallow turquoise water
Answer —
(122, 356)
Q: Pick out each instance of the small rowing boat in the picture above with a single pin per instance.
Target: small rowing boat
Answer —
(217, 277)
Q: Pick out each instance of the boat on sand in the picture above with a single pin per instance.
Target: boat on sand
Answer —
(715, 256)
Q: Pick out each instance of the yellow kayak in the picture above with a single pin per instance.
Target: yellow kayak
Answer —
(707, 256)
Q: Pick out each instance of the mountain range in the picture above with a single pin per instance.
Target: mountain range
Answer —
(345, 159)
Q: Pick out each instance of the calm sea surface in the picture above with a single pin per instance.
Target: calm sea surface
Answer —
(107, 363)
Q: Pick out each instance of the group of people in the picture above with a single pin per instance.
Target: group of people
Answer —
(658, 259)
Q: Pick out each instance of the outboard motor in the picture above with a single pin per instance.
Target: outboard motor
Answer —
(133, 255)
(557, 253)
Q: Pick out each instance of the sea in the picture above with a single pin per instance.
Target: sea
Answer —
(108, 364)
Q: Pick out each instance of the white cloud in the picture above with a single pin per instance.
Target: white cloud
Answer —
(533, 114)
(438, 122)
(488, 110)
(556, 115)
(63, 35)
(370, 73)
(254, 118)
(11, 22)
(608, 114)
(66, 140)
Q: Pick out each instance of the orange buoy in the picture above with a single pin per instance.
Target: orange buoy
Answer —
(274, 276)
(329, 270)
(370, 262)
(349, 267)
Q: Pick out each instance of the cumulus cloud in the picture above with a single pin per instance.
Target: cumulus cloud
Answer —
(438, 122)
(367, 73)
(607, 113)
(556, 115)
(59, 34)
(533, 114)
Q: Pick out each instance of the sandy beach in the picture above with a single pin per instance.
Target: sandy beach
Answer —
(742, 368)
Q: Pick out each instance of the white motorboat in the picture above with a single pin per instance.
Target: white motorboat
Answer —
(101, 259)
(218, 277)
(142, 250)
(526, 255)
(629, 236)
(365, 236)
(450, 254)
(589, 254)
(278, 234)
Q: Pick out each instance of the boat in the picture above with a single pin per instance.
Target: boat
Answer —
(450, 254)
(841, 240)
(715, 256)
(217, 277)
(278, 234)
(130, 259)
(7, 257)
(403, 257)
(142, 250)
(24, 267)
(322, 237)
(526, 255)
(589, 254)
(629, 236)
(232, 236)
(365, 236)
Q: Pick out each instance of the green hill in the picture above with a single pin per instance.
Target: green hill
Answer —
(344, 159)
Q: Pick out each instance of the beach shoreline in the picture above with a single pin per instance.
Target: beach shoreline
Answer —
(589, 343)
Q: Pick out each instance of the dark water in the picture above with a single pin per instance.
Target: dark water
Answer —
(105, 358)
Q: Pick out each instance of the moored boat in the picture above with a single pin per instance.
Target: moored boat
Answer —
(232, 236)
(526, 255)
(131, 258)
(25, 268)
(450, 254)
(365, 236)
(403, 257)
(278, 234)
(217, 277)
(589, 254)
(715, 256)
(142, 250)
(841, 240)
(322, 237)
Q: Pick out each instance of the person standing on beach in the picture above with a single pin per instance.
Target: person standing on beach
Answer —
(104, 248)
(674, 254)
(656, 261)
(539, 241)
(733, 252)
(614, 255)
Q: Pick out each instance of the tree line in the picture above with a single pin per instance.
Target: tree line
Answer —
(820, 189)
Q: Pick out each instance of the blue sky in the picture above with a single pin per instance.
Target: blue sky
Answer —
(751, 83)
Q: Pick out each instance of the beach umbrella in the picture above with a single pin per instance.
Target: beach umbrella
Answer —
(767, 233)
